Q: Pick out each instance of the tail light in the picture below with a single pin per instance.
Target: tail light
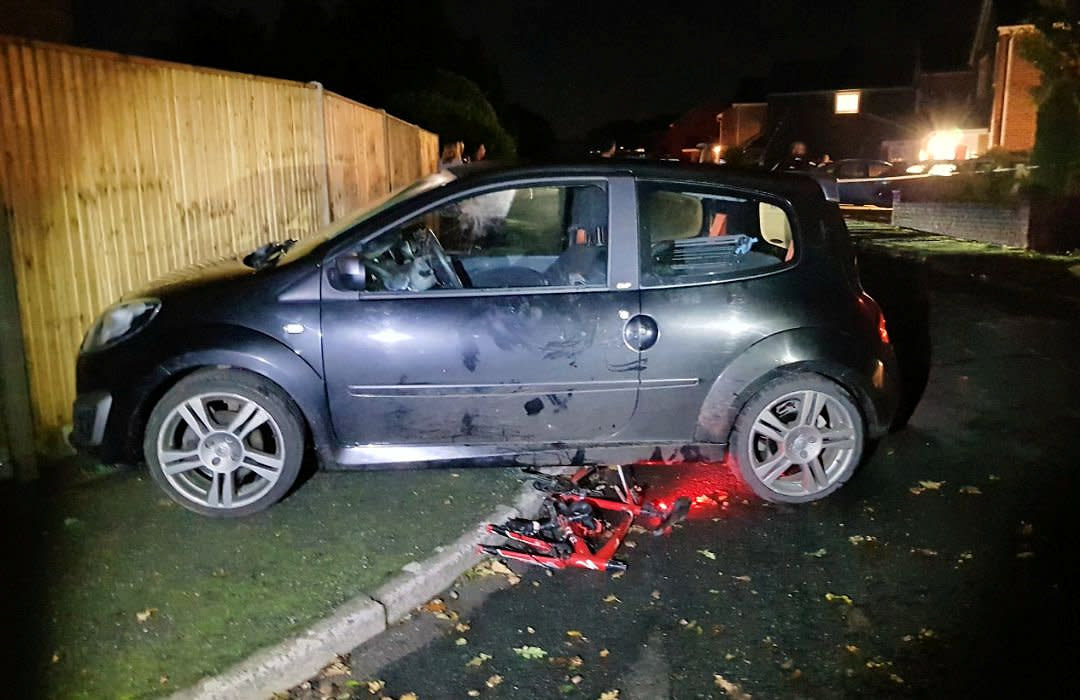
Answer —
(871, 308)
(882, 330)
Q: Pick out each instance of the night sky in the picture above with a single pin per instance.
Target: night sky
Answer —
(585, 63)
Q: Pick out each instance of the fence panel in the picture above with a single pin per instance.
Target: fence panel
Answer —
(117, 170)
(356, 152)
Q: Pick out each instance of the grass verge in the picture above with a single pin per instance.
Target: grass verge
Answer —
(1010, 268)
(141, 597)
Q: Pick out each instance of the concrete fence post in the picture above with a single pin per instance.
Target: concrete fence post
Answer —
(325, 210)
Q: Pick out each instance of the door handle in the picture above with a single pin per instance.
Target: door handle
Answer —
(640, 332)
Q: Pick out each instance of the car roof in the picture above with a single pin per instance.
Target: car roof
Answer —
(788, 184)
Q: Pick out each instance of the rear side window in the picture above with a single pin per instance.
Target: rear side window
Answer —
(691, 234)
(878, 169)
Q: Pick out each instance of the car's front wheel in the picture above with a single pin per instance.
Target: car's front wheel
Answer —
(797, 439)
(224, 443)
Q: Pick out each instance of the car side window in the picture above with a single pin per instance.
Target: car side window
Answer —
(701, 235)
(543, 236)
(850, 170)
(878, 169)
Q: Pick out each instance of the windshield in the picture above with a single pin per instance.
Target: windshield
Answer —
(351, 220)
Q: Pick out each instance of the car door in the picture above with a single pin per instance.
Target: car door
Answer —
(529, 350)
(712, 283)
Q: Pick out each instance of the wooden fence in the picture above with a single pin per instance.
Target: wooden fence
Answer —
(115, 170)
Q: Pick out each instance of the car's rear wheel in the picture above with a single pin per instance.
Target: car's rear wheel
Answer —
(224, 443)
(797, 439)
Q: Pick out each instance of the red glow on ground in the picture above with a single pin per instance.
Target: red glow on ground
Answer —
(711, 487)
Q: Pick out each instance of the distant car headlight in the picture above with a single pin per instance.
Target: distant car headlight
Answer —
(915, 169)
(119, 322)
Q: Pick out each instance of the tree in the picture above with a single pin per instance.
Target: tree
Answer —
(1055, 50)
(455, 108)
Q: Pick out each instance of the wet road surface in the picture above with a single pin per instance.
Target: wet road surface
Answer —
(943, 569)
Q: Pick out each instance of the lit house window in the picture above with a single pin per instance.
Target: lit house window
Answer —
(847, 102)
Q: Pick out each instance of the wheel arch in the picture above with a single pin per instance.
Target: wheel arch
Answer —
(235, 347)
(829, 353)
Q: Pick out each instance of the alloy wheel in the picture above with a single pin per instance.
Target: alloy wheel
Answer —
(802, 443)
(220, 450)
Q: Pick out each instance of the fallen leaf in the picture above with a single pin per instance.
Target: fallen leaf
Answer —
(576, 634)
(530, 630)
(1025, 555)
(478, 659)
(473, 693)
(994, 477)
(732, 690)
(337, 668)
(56, 657)
(409, 696)
(499, 568)
(1026, 528)
(609, 695)
(927, 633)
(744, 579)
(925, 552)
(846, 600)
(530, 652)
(375, 686)
(576, 680)
(163, 681)
(575, 662)
(604, 653)
(655, 595)
(461, 641)
(926, 486)
(434, 606)
(707, 554)
(493, 681)
(637, 530)
(145, 615)
(965, 556)
(862, 539)
(618, 574)
(896, 679)
(818, 554)
(971, 490)
(611, 598)
(630, 544)
(851, 648)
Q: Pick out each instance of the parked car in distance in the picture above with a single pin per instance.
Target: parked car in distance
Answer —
(600, 313)
(863, 181)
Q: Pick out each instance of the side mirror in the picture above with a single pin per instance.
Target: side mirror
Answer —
(349, 273)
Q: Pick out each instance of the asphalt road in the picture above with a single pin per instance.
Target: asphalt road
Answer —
(956, 588)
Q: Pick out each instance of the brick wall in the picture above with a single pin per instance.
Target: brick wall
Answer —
(1013, 119)
(973, 222)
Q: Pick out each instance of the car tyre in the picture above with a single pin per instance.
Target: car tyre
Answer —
(224, 443)
(798, 439)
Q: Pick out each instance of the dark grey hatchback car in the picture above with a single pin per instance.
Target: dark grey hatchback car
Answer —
(606, 313)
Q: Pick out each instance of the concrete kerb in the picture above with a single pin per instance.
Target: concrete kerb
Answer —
(283, 665)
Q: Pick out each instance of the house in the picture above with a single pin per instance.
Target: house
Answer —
(908, 114)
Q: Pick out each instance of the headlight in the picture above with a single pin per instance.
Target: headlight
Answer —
(120, 321)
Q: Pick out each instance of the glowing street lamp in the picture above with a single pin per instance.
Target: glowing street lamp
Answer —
(943, 144)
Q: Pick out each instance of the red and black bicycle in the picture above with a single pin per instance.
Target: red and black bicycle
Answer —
(583, 521)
